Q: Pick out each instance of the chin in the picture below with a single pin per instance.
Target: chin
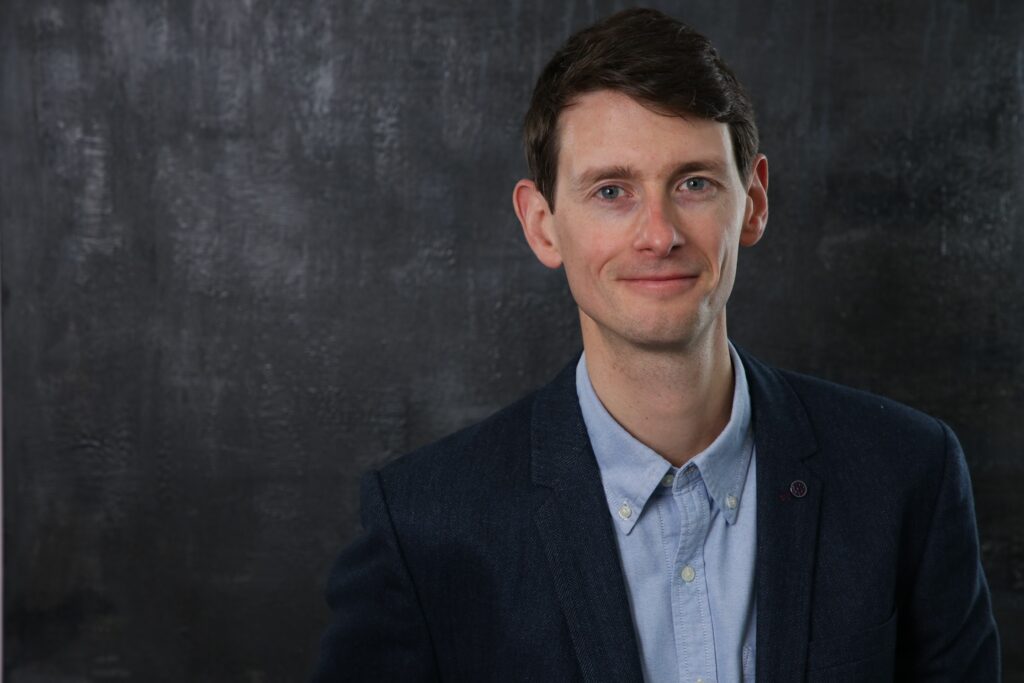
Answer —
(657, 332)
(662, 338)
(677, 334)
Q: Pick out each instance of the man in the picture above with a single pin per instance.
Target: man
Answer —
(668, 508)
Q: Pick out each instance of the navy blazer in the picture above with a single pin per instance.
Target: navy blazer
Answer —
(490, 555)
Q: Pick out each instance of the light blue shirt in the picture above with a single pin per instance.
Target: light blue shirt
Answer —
(687, 542)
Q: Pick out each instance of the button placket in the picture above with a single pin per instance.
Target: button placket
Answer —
(695, 645)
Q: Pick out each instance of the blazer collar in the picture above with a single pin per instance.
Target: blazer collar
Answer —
(577, 534)
(788, 503)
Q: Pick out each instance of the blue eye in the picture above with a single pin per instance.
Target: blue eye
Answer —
(696, 184)
(610, 192)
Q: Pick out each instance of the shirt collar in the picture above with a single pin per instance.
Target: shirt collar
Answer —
(631, 472)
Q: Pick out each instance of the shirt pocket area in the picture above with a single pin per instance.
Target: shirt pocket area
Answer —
(847, 657)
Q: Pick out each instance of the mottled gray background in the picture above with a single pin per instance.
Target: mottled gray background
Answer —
(252, 248)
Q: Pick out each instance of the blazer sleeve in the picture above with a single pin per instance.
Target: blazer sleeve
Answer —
(950, 633)
(378, 631)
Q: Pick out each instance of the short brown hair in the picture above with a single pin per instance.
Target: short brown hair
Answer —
(651, 57)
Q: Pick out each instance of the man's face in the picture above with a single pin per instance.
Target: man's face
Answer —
(650, 213)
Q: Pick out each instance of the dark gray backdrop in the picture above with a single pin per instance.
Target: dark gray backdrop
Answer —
(252, 248)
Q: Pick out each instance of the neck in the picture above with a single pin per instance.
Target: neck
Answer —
(675, 401)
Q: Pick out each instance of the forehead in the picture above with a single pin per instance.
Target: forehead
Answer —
(606, 128)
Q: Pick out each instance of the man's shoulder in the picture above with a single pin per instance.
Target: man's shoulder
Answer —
(856, 441)
(493, 447)
(851, 428)
(860, 433)
(833, 405)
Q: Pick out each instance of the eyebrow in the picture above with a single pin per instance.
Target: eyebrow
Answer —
(595, 175)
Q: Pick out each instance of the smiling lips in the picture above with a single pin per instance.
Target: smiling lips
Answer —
(664, 283)
(662, 276)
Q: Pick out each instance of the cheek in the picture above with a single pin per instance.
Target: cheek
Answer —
(727, 254)
(588, 268)
(583, 264)
(588, 252)
(727, 237)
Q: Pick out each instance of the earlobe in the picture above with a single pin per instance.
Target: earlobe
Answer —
(755, 219)
(535, 216)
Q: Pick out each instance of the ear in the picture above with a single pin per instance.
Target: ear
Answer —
(537, 220)
(756, 217)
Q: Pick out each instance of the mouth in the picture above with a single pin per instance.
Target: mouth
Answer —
(660, 278)
(665, 283)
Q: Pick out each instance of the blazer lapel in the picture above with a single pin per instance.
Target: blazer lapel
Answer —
(577, 534)
(788, 502)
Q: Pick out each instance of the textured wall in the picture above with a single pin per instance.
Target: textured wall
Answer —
(253, 248)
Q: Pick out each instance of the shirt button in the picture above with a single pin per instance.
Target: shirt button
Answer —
(730, 502)
(625, 512)
(688, 574)
(668, 479)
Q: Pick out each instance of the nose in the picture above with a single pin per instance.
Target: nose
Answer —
(657, 232)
